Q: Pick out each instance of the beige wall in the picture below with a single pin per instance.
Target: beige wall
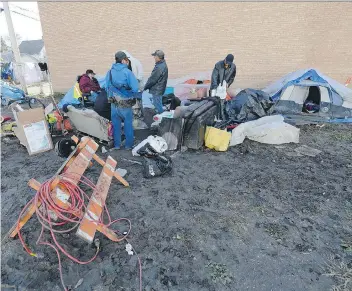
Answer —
(267, 39)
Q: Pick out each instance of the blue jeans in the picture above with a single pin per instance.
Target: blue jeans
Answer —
(158, 103)
(119, 115)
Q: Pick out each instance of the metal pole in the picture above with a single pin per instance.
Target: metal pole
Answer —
(16, 51)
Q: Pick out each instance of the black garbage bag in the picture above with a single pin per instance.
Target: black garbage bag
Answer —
(156, 166)
(147, 151)
(171, 101)
(249, 104)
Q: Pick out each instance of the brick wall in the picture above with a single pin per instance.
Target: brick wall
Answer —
(267, 39)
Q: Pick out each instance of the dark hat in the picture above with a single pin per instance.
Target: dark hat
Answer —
(89, 71)
(120, 56)
(229, 59)
(158, 53)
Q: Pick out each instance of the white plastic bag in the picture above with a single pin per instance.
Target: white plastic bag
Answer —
(221, 90)
(156, 142)
(268, 129)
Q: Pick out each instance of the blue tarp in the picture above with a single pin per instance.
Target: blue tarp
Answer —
(338, 93)
(9, 93)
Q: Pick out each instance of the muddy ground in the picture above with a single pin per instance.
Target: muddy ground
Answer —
(253, 218)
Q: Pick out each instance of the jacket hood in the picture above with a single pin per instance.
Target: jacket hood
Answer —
(118, 66)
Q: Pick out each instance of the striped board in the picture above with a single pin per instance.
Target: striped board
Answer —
(88, 226)
(76, 167)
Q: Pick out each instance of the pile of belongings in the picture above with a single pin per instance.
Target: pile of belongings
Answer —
(10, 93)
(249, 104)
(7, 126)
(155, 163)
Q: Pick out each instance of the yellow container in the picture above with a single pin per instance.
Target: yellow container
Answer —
(217, 139)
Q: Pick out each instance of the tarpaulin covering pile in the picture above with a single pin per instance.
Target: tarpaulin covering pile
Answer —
(9, 93)
(249, 104)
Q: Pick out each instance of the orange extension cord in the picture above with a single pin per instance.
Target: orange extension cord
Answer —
(66, 216)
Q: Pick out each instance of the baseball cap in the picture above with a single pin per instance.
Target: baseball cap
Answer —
(89, 71)
(159, 53)
(120, 56)
(229, 58)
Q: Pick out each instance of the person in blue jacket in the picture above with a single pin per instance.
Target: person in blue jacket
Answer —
(122, 88)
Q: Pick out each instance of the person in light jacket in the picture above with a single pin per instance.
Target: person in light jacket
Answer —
(137, 69)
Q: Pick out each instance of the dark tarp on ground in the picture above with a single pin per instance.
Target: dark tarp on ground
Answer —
(249, 104)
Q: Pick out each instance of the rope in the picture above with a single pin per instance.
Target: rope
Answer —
(68, 219)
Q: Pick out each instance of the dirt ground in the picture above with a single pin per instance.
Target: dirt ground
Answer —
(254, 218)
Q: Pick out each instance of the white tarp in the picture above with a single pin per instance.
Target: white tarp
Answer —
(268, 129)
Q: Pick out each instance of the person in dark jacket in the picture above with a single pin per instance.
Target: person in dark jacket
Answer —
(157, 81)
(223, 71)
(89, 84)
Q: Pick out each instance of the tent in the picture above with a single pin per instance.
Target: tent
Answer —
(296, 89)
(30, 68)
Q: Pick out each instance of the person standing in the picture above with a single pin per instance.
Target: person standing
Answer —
(137, 68)
(157, 81)
(122, 89)
(223, 71)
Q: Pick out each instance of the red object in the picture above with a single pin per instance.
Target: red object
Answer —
(86, 84)
(66, 122)
(5, 118)
(232, 126)
(191, 81)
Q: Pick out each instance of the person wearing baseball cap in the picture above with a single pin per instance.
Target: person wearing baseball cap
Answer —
(224, 70)
(88, 84)
(156, 84)
(122, 88)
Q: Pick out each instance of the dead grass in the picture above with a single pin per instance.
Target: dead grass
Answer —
(342, 275)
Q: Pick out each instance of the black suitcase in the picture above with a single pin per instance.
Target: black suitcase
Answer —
(199, 115)
(170, 129)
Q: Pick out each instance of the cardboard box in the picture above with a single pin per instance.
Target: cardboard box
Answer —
(32, 129)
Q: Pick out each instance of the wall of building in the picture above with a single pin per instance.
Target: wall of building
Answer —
(268, 39)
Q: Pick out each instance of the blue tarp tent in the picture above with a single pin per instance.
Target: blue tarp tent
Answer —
(338, 93)
(294, 89)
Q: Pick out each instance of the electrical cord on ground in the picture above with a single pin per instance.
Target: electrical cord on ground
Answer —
(67, 216)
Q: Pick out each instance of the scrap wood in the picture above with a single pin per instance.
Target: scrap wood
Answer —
(77, 166)
(79, 214)
(68, 213)
(76, 163)
(96, 158)
(88, 227)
